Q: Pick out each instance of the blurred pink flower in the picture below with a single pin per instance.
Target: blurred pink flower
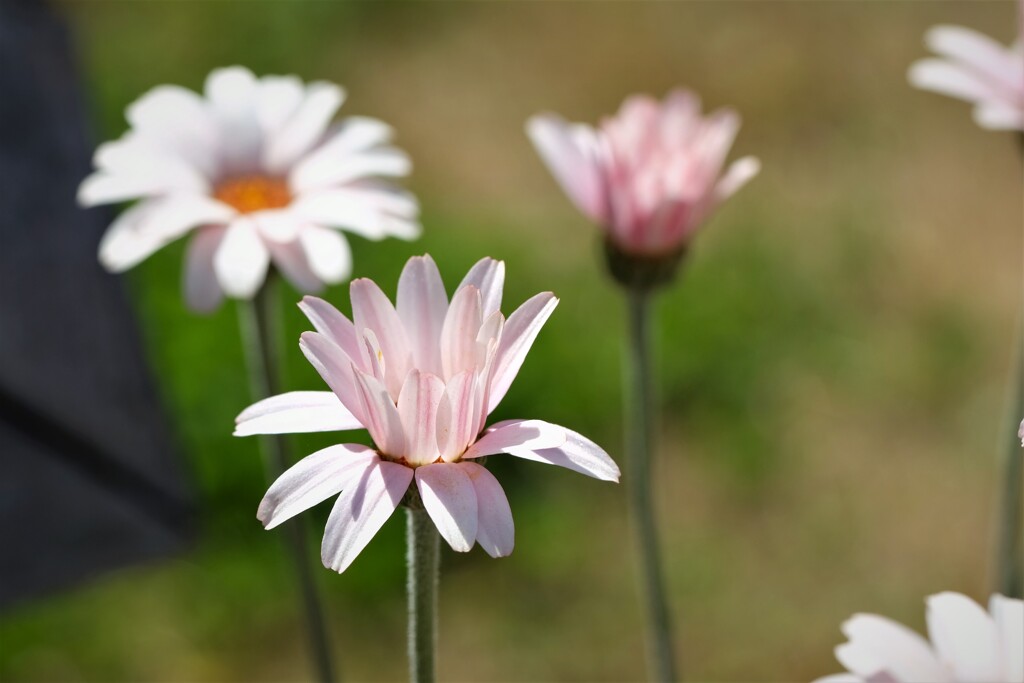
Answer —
(968, 645)
(253, 168)
(649, 175)
(421, 377)
(973, 67)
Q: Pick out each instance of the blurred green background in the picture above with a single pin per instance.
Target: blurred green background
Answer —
(833, 362)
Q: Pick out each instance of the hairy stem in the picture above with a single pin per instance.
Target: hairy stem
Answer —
(424, 566)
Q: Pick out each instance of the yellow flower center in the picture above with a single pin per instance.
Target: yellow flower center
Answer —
(254, 193)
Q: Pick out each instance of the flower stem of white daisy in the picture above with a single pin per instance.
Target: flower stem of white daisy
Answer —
(639, 437)
(260, 325)
(424, 554)
(1010, 562)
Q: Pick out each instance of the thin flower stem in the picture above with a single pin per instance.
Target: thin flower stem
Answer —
(260, 326)
(424, 567)
(639, 435)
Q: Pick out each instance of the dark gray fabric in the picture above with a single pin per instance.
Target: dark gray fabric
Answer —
(88, 479)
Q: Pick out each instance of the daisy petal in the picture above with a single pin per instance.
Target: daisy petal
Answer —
(578, 453)
(487, 275)
(241, 260)
(382, 418)
(567, 150)
(495, 531)
(458, 335)
(202, 291)
(521, 329)
(1008, 614)
(304, 127)
(327, 252)
(879, 644)
(313, 480)
(964, 636)
(296, 412)
(977, 51)
(335, 368)
(450, 499)
(361, 511)
(458, 415)
(421, 305)
(518, 434)
(949, 79)
(333, 324)
(372, 309)
(417, 408)
(291, 260)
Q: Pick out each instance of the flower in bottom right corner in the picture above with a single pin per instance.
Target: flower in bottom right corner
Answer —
(967, 645)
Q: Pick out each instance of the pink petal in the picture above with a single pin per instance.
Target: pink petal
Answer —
(291, 260)
(450, 499)
(568, 152)
(495, 531)
(739, 174)
(517, 434)
(382, 418)
(313, 480)
(488, 276)
(422, 305)
(296, 412)
(333, 324)
(202, 291)
(578, 453)
(979, 52)
(361, 511)
(458, 335)
(949, 79)
(372, 309)
(335, 368)
(417, 407)
(521, 328)
(458, 414)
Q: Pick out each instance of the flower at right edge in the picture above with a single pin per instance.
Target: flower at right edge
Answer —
(973, 67)
(968, 645)
(421, 377)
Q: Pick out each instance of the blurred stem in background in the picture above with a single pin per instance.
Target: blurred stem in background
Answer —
(261, 329)
(639, 436)
(1010, 561)
(424, 566)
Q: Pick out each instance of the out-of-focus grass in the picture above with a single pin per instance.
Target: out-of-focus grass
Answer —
(832, 362)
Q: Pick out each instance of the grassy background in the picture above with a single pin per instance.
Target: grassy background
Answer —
(832, 366)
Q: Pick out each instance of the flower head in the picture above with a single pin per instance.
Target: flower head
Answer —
(421, 376)
(650, 175)
(253, 168)
(968, 645)
(973, 67)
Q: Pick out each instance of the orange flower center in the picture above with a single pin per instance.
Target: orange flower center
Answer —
(254, 193)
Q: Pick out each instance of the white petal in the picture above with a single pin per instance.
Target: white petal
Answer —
(328, 253)
(241, 260)
(234, 100)
(421, 305)
(739, 174)
(278, 97)
(949, 79)
(328, 167)
(296, 412)
(840, 678)
(979, 52)
(521, 329)
(279, 225)
(382, 418)
(964, 636)
(304, 127)
(999, 116)
(356, 211)
(417, 407)
(1008, 614)
(178, 121)
(361, 511)
(202, 291)
(518, 434)
(487, 275)
(578, 453)
(291, 260)
(450, 499)
(568, 152)
(313, 480)
(881, 644)
(495, 531)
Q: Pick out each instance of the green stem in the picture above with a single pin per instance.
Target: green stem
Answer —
(639, 434)
(424, 567)
(260, 325)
